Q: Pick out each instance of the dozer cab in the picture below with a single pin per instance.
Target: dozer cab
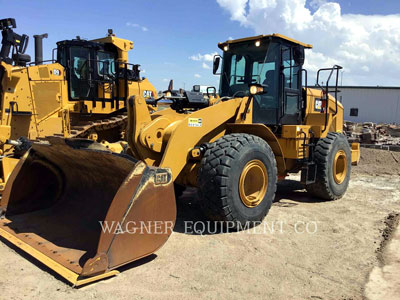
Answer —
(233, 146)
(81, 92)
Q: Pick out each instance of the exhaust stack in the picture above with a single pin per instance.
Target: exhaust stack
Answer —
(39, 47)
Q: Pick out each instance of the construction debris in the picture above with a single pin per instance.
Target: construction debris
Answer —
(372, 133)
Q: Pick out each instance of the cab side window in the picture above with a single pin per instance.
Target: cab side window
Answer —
(291, 81)
(237, 76)
(106, 63)
(290, 69)
(80, 60)
(238, 69)
(79, 85)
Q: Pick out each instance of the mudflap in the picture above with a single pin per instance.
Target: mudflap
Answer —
(355, 153)
(84, 211)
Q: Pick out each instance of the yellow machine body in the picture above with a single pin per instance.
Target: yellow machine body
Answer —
(36, 103)
(170, 138)
(157, 138)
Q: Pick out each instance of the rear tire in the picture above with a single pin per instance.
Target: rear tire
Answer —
(237, 180)
(333, 158)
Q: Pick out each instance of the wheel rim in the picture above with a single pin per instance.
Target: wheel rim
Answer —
(253, 183)
(340, 167)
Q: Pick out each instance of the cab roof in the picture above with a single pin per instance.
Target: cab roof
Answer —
(261, 37)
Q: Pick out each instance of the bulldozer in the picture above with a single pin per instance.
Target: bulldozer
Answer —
(233, 146)
(81, 92)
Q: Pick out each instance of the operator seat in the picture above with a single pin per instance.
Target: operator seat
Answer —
(268, 100)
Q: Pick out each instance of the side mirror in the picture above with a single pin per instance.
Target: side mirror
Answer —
(298, 55)
(214, 91)
(217, 60)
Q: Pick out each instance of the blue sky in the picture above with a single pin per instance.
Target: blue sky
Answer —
(167, 32)
(369, 7)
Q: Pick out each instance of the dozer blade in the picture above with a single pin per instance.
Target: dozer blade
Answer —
(83, 211)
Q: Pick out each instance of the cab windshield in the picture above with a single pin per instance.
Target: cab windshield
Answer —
(245, 64)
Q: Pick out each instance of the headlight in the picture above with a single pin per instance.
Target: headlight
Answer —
(253, 90)
(256, 89)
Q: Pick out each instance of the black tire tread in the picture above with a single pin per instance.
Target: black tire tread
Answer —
(321, 187)
(215, 166)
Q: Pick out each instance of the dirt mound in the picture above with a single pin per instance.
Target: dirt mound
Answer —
(391, 223)
(376, 162)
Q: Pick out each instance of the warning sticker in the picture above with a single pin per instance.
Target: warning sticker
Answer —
(195, 122)
(318, 104)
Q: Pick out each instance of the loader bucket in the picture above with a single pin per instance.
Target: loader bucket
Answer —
(83, 211)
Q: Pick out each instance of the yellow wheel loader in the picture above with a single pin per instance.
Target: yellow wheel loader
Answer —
(233, 147)
(81, 92)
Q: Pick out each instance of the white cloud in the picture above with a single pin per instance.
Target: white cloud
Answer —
(315, 4)
(205, 66)
(367, 46)
(165, 80)
(365, 68)
(203, 57)
(237, 8)
(143, 28)
(197, 75)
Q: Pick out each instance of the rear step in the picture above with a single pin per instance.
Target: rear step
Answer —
(61, 197)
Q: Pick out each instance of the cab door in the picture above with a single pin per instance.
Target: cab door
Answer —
(80, 73)
(265, 71)
(291, 87)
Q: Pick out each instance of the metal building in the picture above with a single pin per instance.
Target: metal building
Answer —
(370, 103)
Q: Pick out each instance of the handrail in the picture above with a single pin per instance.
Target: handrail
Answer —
(325, 92)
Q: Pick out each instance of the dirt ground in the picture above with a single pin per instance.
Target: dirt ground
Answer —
(306, 249)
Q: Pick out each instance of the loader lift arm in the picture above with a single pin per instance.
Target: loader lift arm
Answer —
(150, 138)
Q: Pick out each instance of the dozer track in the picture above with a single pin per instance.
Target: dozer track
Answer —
(84, 128)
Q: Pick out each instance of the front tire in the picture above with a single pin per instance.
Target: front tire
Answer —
(333, 158)
(179, 189)
(237, 179)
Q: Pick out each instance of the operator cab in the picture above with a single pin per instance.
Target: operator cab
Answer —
(88, 64)
(274, 62)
